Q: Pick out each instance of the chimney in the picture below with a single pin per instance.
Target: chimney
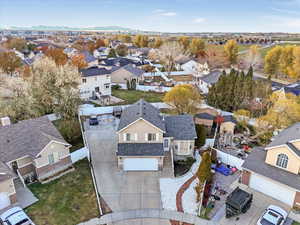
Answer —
(5, 121)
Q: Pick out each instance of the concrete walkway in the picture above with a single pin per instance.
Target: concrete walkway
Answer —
(148, 213)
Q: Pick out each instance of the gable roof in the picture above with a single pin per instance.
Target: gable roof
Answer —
(144, 110)
(94, 71)
(229, 118)
(256, 163)
(205, 116)
(134, 70)
(287, 135)
(212, 77)
(27, 137)
(180, 127)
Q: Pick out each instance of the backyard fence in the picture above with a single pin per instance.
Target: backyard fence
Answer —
(229, 159)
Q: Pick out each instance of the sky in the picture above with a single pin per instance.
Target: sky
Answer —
(157, 15)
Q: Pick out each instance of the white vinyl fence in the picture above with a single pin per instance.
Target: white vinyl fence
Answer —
(230, 159)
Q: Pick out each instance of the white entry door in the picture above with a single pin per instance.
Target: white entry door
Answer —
(140, 164)
(272, 189)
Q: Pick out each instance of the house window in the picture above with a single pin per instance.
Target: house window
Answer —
(51, 158)
(282, 160)
(106, 86)
(83, 80)
(128, 137)
(151, 137)
(166, 143)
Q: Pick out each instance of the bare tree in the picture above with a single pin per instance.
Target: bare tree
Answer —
(252, 58)
(170, 52)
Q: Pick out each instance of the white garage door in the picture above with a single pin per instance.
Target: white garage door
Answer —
(274, 190)
(140, 164)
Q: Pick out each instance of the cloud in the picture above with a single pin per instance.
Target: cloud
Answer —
(162, 12)
(199, 20)
(294, 23)
(168, 14)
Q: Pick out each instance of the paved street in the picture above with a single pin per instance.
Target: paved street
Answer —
(121, 190)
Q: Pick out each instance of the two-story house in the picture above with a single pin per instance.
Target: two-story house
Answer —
(145, 137)
(95, 84)
(274, 170)
(31, 150)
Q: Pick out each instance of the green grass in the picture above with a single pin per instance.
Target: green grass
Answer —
(295, 223)
(68, 200)
(132, 96)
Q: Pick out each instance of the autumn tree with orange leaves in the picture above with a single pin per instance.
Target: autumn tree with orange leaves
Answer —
(57, 54)
(79, 61)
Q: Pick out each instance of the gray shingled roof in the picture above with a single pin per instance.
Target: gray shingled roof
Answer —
(141, 109)
(134, 70)
(180, 127)
(27, 137)
(5, 172)
(229, 118)
(212, 77)
(94, 71)
(289, 134)
(140, 149)
(205, 116)
(256, 163)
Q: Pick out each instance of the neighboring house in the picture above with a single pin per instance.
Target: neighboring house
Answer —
(95, 84)
(31, 150)
(70, 52)
(122, 61)
(127, 73)
(228, 125)
(205, 82)
(205, 118)
(195, 68)
(101, 53)
(145, 137)
(89, 58)
(275, 169)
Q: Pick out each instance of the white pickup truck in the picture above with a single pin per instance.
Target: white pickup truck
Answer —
(15, 216)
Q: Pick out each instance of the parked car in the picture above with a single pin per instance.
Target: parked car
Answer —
(93, 121)
(239, 201)
(15, 216)
(273, 215)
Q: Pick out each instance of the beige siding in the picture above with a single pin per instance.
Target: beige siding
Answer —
(293, 162)
(184, 148)
(297, 144)
(227, 127)
(7, 186)
(139, 130)
(121, 76)
(58, 150)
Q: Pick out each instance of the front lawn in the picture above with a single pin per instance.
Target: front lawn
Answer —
(295, 223)
(132, 96)
(68, 200)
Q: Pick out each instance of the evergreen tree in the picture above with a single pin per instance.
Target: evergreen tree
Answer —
(112, 53)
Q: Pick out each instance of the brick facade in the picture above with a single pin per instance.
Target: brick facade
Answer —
(51, 169)
(297, 200)
(245, 178)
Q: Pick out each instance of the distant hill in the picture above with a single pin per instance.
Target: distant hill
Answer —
(66, 28)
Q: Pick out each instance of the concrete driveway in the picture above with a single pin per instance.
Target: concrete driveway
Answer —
(121, 190)
(259, 204)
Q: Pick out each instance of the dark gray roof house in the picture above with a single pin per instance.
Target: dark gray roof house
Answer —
(212, 77)
(256, 163)
(180, 127)
(27, 138)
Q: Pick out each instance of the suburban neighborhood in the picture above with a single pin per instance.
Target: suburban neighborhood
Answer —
(166, 119)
